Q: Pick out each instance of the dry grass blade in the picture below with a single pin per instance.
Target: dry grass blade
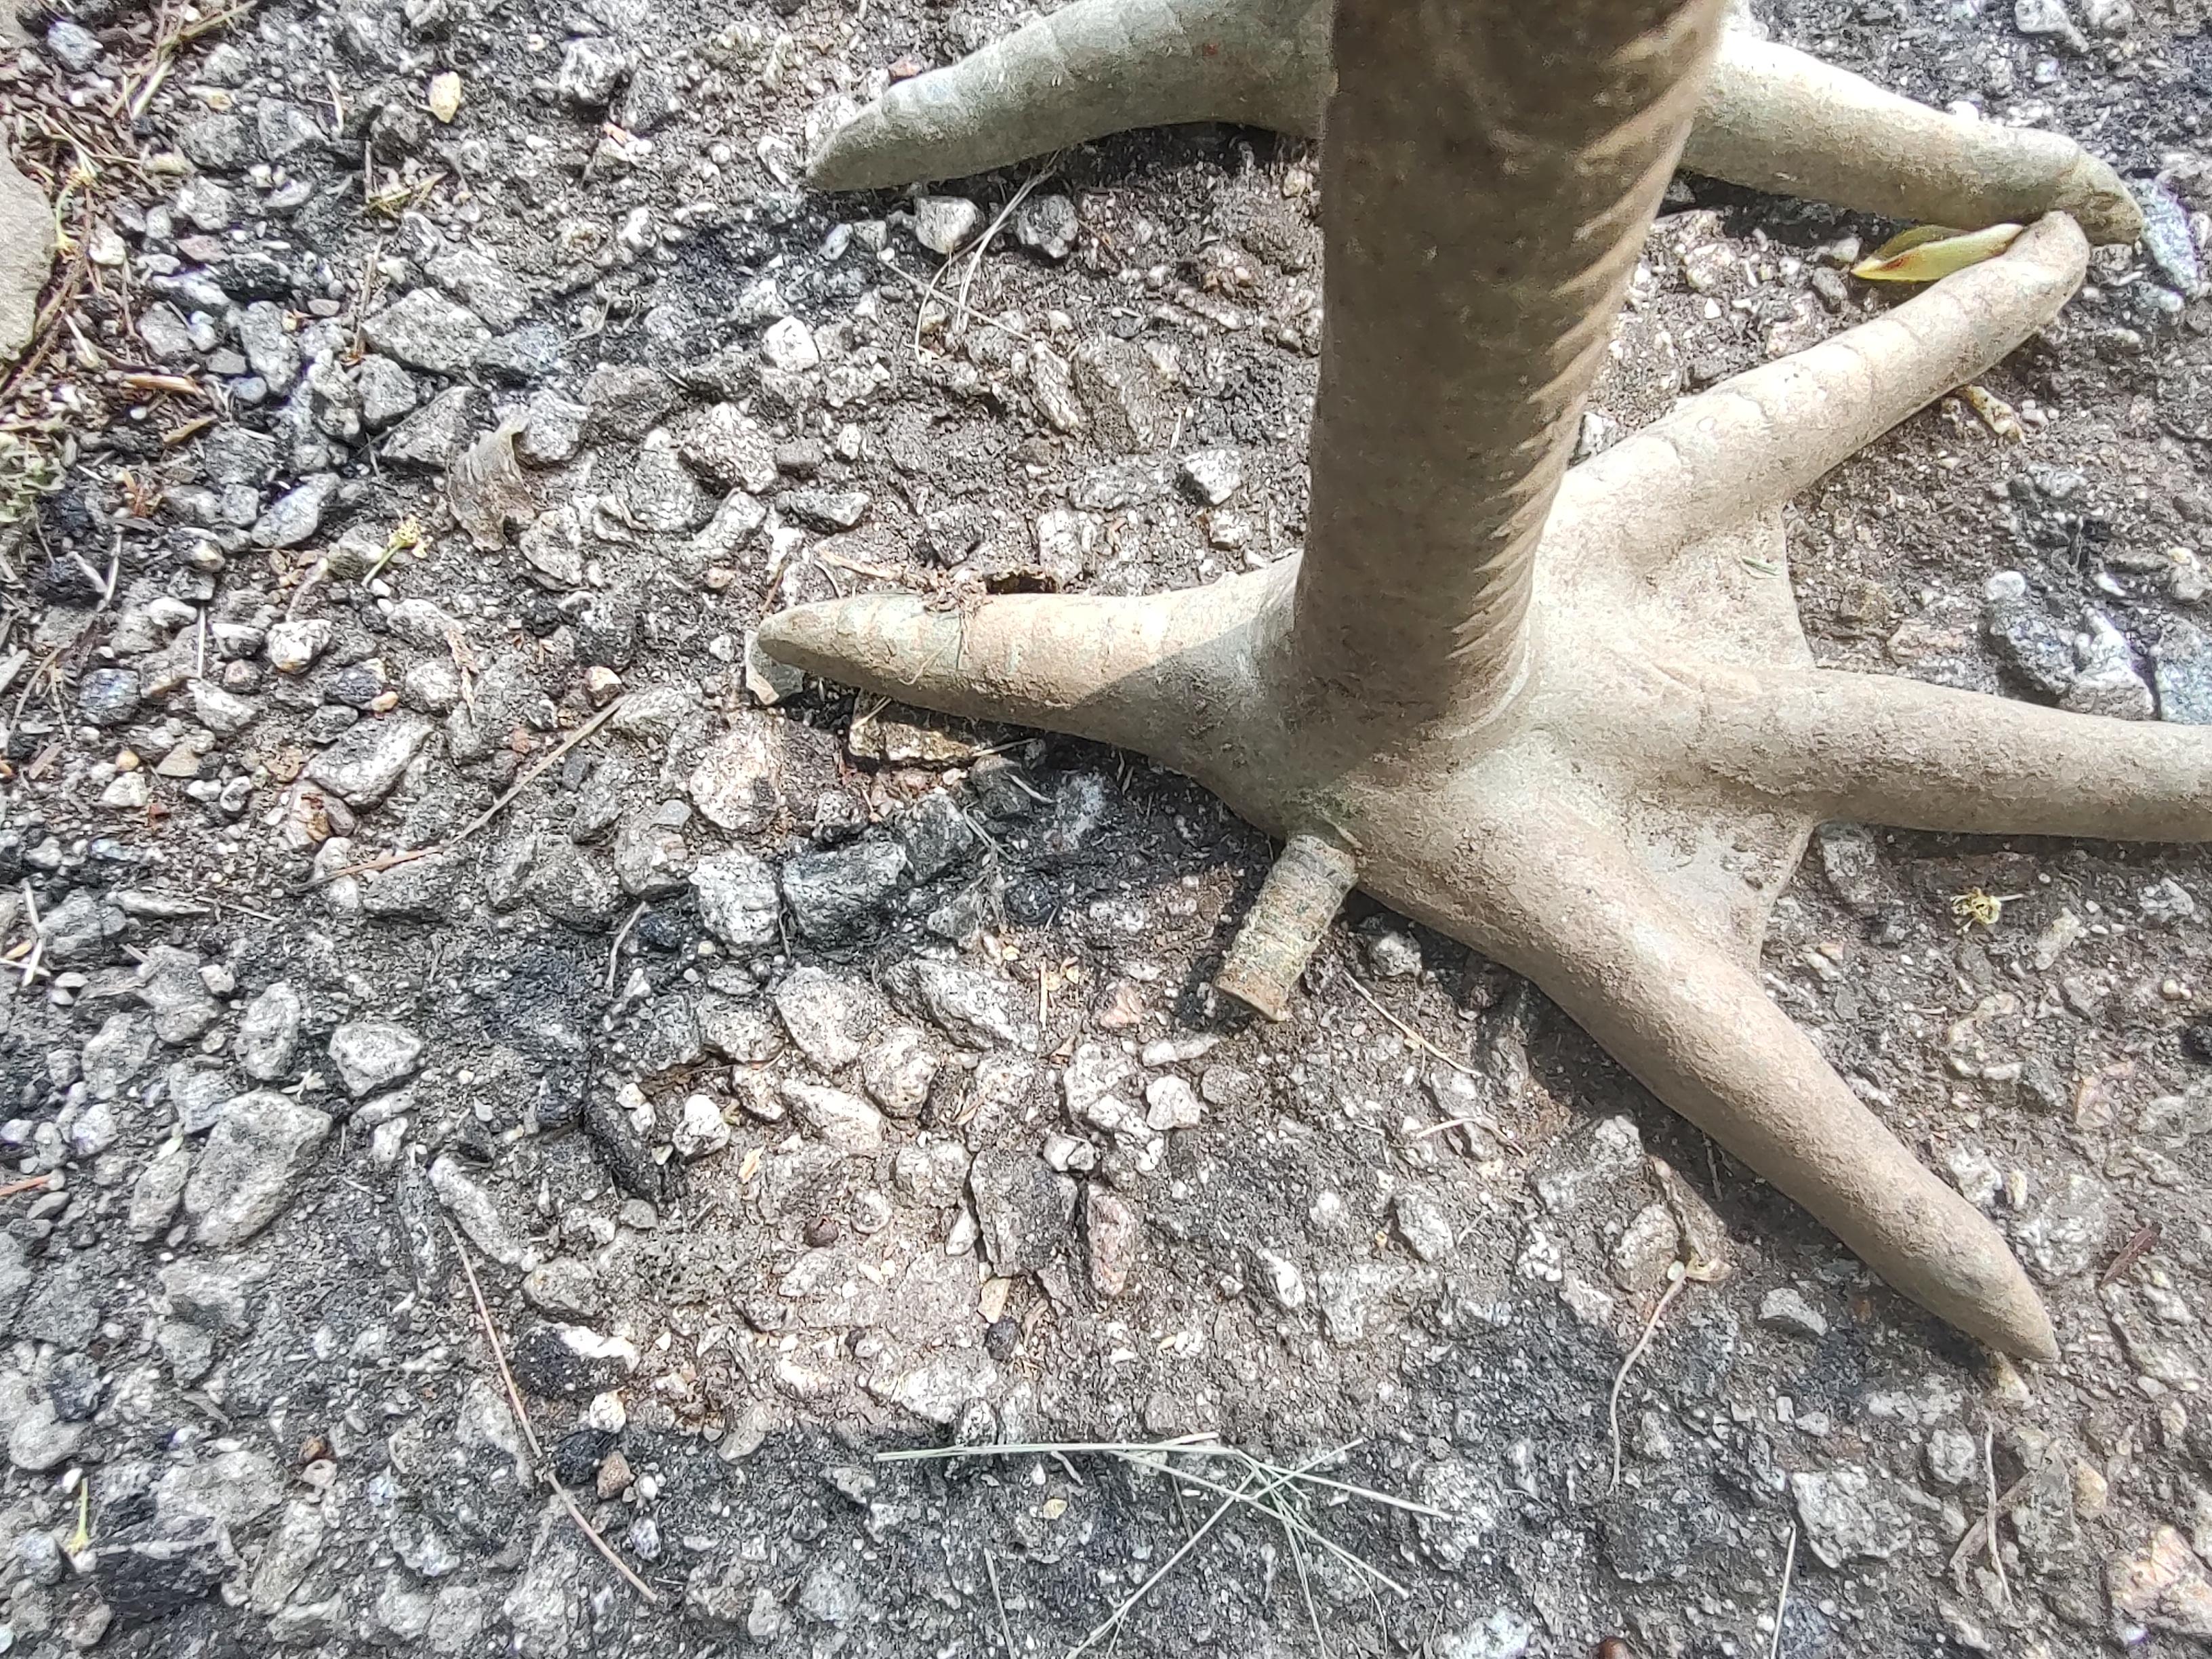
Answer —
(1006, 1625)
(614, 950)
(1782, 1601)
(956, 324)
(1989, 1474)
(1113, 1620)
(959, 323)
(1985, 1528)
(1927, 252)
(1269, 1501)
(1277, 1500)
(1305, 1528)
(1199, 1445)
(1451, 1123)
(498, 1348)
(529, 1434)
(1408, 1505)
(1305, 1584)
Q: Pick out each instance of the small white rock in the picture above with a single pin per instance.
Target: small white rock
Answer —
(293, 645)
(1171, 1103)
(944, 224)
(789, 345)
(700, 1131)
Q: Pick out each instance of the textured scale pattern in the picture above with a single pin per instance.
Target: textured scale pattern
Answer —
(1458, 325)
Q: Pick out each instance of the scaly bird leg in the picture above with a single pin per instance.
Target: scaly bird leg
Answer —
(1461, 829)
(1542, 737)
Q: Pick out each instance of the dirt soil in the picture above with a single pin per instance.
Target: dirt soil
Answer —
(803, 1079)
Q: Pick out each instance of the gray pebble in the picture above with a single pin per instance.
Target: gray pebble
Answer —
(1424, 1224)
(116, 1054)
(273, 353)
(1785, 1308)
(738, 900)
(1211, 476)
(2167, 240)
(590, 71)
(2107, 682)
(372, 1055)
(1047, 225)
(76, 47)
(944, 224)
(437, 432)
(2026, 638)
(258, 1152)
(425, 330)
(364, 765)
(388, 392)
(625, 401)
(108, 696)
(824, 510)
(269, 1033)
(297, 514)
(2182, 669)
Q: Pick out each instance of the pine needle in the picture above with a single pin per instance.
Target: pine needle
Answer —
(1305, 1584)
(1113, 1620)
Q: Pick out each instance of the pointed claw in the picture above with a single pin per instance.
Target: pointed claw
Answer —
(1881, 750)
(1754, 441)
(1090, 69)
(1134, 672)
(1782, 121)
(1566, 903)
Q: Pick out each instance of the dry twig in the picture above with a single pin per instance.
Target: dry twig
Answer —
(480, 819)
(2144, 1242)
(1679, 1274)
(539, 1464)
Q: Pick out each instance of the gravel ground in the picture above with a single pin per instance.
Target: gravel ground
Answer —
(406, 863)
